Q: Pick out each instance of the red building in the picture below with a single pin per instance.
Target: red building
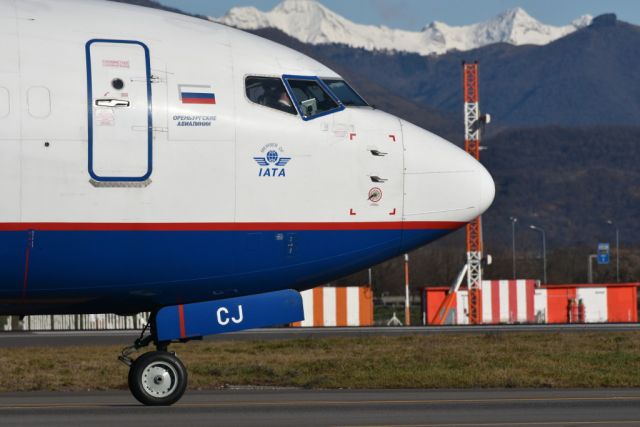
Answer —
(525, 301)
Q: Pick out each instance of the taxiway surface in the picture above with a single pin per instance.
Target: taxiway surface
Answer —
(250, 407)
(95, 338)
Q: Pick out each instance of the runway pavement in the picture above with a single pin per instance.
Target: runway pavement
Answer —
(73, 338)
(244, 407)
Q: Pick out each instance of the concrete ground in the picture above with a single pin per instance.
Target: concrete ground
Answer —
(95, 338)
(292, 407)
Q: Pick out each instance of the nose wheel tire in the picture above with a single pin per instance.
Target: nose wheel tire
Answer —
(157, 378)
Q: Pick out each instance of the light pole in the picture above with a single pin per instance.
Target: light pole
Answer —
(544, 251)
(610, 222)
(590, 267)
(514, 220)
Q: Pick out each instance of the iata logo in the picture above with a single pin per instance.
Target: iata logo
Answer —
(272, 164)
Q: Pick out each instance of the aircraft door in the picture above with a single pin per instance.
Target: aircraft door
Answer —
(120, 110)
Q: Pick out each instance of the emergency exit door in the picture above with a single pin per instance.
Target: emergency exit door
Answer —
(120, 110)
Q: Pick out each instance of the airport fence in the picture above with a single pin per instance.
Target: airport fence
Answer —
(75, 322)
(324, 307)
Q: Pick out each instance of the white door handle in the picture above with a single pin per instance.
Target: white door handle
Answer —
(110, 102)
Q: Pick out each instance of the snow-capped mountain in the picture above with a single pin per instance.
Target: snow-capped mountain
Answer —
(311, 22)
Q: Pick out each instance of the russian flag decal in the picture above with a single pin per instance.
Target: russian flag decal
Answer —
(196, 94)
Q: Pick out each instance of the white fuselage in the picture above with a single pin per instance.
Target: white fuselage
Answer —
(80, 154)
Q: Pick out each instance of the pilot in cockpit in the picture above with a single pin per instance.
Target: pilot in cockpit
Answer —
(284, 102)
(269, 92)
(278, 98)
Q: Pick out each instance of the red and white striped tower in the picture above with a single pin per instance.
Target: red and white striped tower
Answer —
(474, 228)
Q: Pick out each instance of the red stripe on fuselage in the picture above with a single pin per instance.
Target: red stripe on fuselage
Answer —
(230, 226)
(183, 330)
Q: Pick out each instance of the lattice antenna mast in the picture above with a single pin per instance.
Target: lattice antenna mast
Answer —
(474, 228)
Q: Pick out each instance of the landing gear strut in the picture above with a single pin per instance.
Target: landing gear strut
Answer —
(156, 378)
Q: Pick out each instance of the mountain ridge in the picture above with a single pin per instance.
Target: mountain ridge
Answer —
(583, 79)
(310, 22)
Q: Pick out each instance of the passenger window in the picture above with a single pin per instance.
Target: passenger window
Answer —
(270, 92)
(39, 102)
(311, 98)
(345, 93)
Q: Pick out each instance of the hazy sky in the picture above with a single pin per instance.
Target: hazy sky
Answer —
(414, 14)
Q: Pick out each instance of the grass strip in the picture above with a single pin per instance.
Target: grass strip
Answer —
(562, 360)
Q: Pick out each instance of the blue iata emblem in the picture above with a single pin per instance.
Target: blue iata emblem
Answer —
(272, 164)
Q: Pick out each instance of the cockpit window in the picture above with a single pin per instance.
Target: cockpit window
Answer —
(311, 97)
(270, 92)
(345, 93)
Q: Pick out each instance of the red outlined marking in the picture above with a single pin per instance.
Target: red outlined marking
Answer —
(352, 136)
(183, 330)
(393, 138)
(231, 226)
(393, 212)
(375, 195)
(352, 212)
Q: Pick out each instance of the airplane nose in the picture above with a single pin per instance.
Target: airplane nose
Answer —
(443, 183)
(487, 188)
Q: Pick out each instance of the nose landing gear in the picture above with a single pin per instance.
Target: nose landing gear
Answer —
(156, 378)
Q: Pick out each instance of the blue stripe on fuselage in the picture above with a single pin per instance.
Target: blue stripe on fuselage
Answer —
(130, 271)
